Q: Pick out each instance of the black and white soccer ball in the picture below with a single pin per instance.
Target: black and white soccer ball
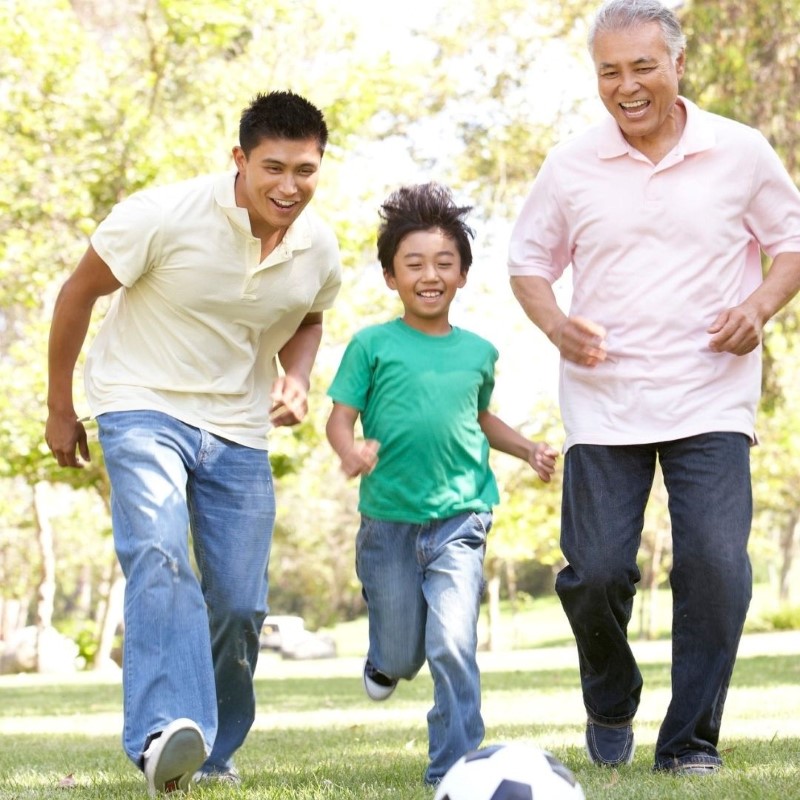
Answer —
(513, 771)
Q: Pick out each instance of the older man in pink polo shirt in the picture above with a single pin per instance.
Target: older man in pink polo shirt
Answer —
(663, 212)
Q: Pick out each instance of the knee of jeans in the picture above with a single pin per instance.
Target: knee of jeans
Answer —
(598, 578)
(402, 665)
(458, 664)
(234, 615)
(154, 563)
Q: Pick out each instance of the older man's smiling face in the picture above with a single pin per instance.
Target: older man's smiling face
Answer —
(638, 81)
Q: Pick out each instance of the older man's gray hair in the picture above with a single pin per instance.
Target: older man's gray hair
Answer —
(618, 15)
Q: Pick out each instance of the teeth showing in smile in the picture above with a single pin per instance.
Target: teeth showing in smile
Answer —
(430, 293)
(632, 106)
(283, 203)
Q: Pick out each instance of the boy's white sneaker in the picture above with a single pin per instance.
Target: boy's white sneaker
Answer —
(377, 685)
(172, 758)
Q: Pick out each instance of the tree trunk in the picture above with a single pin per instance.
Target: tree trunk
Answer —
(13, 615)
(109, 615)
(787, 540)
(493, 592)
(655, 572)
(46, 590)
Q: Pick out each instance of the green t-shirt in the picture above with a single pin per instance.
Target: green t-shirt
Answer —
(419, 396)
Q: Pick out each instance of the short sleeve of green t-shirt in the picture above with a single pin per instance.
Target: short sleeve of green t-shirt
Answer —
(419, 397)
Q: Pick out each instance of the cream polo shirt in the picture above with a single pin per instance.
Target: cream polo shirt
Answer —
(195, 330)
(656, 253)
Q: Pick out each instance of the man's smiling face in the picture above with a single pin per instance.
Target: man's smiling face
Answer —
(276, 181)
(637, 80)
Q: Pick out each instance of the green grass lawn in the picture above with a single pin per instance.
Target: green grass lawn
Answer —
(318, 736)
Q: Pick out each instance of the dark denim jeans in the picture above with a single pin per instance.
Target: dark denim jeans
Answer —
(606, 489)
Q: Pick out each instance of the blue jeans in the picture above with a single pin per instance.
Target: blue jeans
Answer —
(606, 489)
(190, 646)
(423, 586)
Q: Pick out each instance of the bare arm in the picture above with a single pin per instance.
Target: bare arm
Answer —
(358, 458)
(739, 330)
(577, 339)
(92, 278)
(290, 390)
(504, 438)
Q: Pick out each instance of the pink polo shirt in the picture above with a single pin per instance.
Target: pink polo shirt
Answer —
(656, 253)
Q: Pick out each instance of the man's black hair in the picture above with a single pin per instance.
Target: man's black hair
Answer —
(281, 115)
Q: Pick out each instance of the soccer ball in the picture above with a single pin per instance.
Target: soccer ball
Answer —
(514, 771)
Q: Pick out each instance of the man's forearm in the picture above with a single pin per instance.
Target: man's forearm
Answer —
(538, 301)
(67, 334)
(297, 356)
(781, 284)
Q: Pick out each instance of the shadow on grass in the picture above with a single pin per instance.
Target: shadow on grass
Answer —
(310, 693)
(57, 700)
(373, 762)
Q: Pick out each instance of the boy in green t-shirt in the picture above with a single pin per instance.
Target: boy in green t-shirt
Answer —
(422, 388)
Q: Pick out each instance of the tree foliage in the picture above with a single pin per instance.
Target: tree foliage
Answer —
(743, 61)
(99, 98)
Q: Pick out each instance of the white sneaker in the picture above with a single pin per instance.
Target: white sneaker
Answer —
(377, 685)
(230, 776)
(172, 758)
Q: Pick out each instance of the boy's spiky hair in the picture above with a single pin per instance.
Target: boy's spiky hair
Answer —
(422, 207)
(281, 115)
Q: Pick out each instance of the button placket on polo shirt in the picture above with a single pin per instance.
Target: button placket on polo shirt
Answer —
(252, 267)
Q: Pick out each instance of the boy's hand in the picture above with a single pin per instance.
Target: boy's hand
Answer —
(543, 458)
(361, 459)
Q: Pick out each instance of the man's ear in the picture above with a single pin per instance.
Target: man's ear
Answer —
(239, 158)
(680, 63)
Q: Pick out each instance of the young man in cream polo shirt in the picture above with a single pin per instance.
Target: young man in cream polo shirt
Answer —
(218, 281)
(663, 211)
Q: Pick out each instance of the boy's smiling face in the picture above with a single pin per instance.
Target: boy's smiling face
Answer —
(427, 275)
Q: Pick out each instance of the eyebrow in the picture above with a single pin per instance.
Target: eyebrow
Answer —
(439, 253)
(278, 163)
(638, 61)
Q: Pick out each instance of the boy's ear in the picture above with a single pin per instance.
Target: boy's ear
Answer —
(389, 278)
(462, 281)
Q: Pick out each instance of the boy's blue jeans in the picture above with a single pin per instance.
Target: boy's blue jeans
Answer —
(707, 478)
(190, 646)
(423, 586)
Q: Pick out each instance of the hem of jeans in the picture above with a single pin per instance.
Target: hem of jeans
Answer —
(609, 722)
(704, 760)
(215, 768)
(204, 774)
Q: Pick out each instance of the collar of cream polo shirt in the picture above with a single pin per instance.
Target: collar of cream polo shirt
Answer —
(698, 135)
(297, 236)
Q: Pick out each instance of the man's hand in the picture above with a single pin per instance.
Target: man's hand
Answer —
(736, 330)
(580, 340)
(66, 437)
(289, 401)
